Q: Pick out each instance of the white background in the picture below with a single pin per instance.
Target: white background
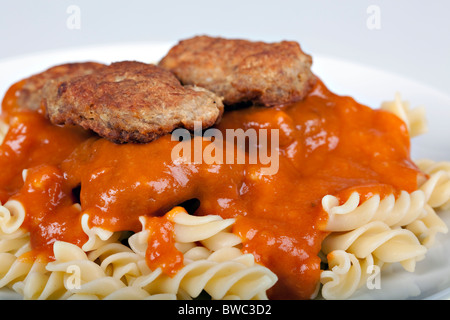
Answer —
(413, 39)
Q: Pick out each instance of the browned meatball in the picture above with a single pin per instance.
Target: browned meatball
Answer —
(130, 101)
(240, 70)
(30, 95)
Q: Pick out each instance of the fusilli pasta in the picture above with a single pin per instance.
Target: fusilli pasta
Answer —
(382, 231)
(350, 254)
(346, 274)
(216, 266)
(378, 239)
(12, 215)
(393, 211)
(437, 186)
(414, 119)
(213, 262)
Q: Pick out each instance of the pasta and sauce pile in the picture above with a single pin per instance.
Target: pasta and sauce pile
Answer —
(93, 204)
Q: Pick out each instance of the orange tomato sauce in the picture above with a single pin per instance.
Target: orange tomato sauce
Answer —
(161, 251)
(329, 144)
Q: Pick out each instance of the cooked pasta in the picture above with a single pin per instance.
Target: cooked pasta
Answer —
(117, 261)
(49, 280)
(81, 216)
(12, 269)
(15, 243)
(74, 276)
(386, 231)
(414, 118)
(213, 262)
(430, 166)
(217, 266)
(378, 239)
(437, 187)
(395, 212)
(12, 215)
(97, 236)
(39, 284)
(389, 231)
(346, 274)
(428, 227)
(381, 231)
(350, 254)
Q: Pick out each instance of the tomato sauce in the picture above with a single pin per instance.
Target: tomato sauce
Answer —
(161, 251)
(51, 211)
(329, 144)
(31, 141)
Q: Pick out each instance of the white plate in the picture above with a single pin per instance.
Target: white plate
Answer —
(369, 86)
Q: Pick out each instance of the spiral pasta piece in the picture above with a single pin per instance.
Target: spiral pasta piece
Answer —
(117, 261)
(353, 255)
(437, 186)
(53, 280)
(97, 236)
(74, 276)
(378, 239)
(430, 166)
(213, 262)
(343, 276)
(428, 227)
(135, 293)
(394, 212)
(39, 284)
(15, 243)
(221, 280)
(346, 274)
(12, 215)
(12, 269)
(382, 231)
(414, 119)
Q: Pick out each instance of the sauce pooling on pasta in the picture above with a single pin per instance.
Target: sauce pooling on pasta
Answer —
(161, 251)
(329, 144)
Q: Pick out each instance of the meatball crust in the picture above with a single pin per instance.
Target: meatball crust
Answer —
(131, 101)
(238, 70)
(30, 93)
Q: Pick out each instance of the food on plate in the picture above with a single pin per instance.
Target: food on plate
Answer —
(130, 101)
(32, 89)
(114, 213)
(243, 71)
